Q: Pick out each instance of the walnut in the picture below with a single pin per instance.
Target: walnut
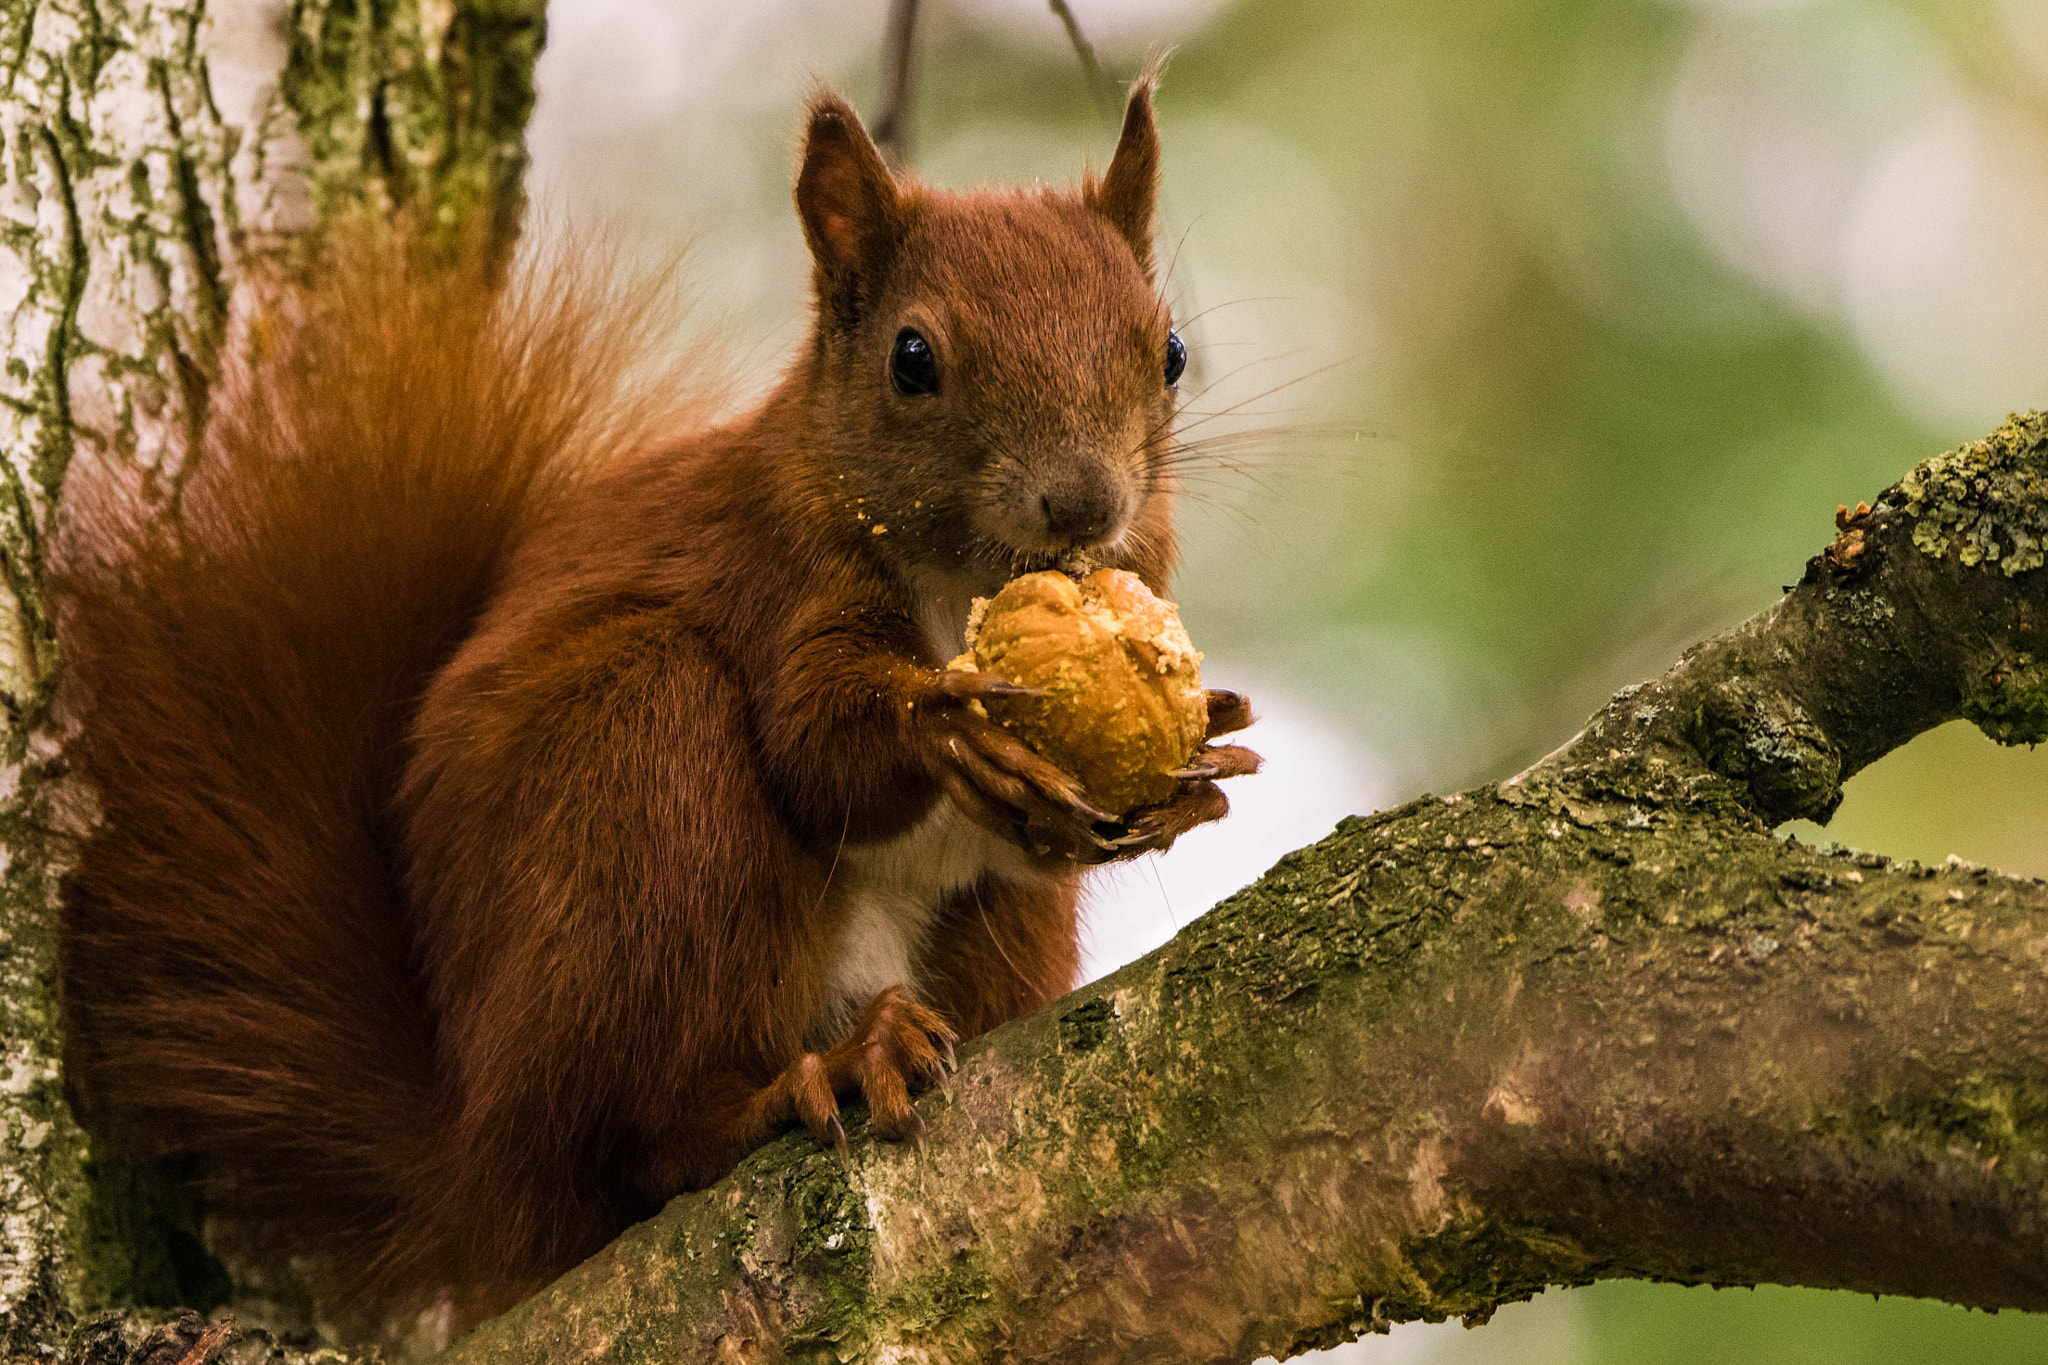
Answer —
(1121, 704)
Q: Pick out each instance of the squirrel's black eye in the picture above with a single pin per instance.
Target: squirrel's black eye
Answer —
(1176, 358)
(912, 367)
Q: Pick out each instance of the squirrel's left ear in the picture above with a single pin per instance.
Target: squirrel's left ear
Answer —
(1128, 193)
(847, 200)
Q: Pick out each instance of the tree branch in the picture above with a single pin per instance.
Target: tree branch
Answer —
(1100, 87)
(1925, 609)
(892, 129)
(1593, 1022)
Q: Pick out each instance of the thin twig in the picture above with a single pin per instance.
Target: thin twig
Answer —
(1100, 87)
(203, 1350)
(892, 129)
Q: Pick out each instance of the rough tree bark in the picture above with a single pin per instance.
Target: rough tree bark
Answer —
(1593, 1021)
(148, 150)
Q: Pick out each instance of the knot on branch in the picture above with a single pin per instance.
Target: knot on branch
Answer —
(2009, 701)
(1771, 745)
(1987, 500)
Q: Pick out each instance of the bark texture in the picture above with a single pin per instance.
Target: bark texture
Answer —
(149, 149)
(119, 194)
(1595, 1021)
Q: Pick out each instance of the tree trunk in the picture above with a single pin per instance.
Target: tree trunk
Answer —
(152, 149)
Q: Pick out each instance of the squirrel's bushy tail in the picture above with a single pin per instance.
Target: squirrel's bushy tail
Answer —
(245, 640)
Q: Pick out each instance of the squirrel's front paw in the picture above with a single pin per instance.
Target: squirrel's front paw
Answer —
(1000, 782)
(1198, 800)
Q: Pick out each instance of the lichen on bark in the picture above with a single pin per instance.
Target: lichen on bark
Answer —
(1986, 500)
(419, 105)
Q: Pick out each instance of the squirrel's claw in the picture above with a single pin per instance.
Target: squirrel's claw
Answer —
(966, 684)
(996, 687)
(1229, 712)
(1154, 829)
(1220, 761)
(1002, 783)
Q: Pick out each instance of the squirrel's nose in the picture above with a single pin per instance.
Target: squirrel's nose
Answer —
(1079, 506)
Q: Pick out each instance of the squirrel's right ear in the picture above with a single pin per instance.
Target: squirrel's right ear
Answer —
(1128, 193)
(847, 201)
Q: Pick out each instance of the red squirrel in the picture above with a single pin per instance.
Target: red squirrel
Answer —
(517, 807)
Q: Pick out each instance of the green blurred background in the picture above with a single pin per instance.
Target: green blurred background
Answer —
(1546, 334)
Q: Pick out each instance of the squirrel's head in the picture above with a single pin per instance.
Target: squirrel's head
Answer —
(993, 371)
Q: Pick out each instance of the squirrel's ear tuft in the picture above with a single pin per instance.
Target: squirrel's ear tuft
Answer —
(845, 197)
(1128, 193)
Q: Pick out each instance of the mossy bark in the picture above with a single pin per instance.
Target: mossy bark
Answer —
(1593, 1022)
(149, 149)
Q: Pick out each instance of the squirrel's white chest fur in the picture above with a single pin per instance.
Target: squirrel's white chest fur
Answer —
(890, 894)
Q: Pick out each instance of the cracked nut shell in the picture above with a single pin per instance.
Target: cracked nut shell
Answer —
(1121, 704)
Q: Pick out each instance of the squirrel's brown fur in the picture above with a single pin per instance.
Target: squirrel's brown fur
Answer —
(515, 810)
